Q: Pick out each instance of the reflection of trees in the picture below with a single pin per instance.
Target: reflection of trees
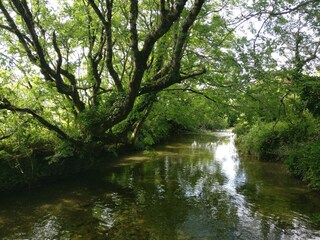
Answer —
(222, 198)
(199, 192)
(156, 207)
(181, 192)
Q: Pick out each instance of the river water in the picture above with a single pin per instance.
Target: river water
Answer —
(193, 187)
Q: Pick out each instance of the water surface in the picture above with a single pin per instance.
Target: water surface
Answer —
(193, 187)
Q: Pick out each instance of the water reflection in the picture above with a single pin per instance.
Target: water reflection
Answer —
(195, 187)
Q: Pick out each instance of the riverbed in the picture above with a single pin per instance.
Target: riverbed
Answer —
(191, 187)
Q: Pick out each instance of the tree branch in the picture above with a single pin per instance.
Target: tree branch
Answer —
(5, 104)
(57, 49)
(163, 8)
(178, 50)
(109, 58)
(13, 28)
(109, 53)
(290, 10)
(168, 81)
(313, 55)
(125, 105)
(6, 136)
(165, 24)
(193, 91)
(26, 14)
(134, 11)
(14, 131)
(38, 58)
(99, 13)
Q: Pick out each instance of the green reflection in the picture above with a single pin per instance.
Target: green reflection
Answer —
(194, 187)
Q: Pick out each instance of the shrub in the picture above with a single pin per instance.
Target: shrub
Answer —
(263, 140)
(304, 161)
(269, 140)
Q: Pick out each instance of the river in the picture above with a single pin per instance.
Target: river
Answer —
(191, 187)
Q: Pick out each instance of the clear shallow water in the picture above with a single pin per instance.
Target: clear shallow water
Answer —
(193, 187)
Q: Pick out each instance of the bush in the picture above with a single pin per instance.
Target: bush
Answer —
(263, 140)
(296, 142)
(269, 140)
(304, 161)
(241, 128)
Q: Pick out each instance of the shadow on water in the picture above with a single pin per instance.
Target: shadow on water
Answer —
(193, 187)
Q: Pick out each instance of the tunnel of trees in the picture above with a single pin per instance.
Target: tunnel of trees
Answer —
(79, 78)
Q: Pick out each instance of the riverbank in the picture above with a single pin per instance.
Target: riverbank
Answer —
(39, 168)
(45, 166)
(35, 170)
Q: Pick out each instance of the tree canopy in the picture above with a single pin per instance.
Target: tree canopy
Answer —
(79, 67)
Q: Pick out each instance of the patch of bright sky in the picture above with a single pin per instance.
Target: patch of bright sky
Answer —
(56, 5)
(255, 26)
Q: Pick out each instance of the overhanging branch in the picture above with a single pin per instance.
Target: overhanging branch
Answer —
(6, 136)
(192, 91)
(168, 81)
(5, 104)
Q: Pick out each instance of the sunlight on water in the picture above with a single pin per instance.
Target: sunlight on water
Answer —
(194, 187)
(226, 155)
(48, 228)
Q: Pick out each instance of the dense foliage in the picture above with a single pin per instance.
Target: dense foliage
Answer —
(81, 78)
(281, 120)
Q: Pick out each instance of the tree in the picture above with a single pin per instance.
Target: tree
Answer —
(278, 56)
(78, 69)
